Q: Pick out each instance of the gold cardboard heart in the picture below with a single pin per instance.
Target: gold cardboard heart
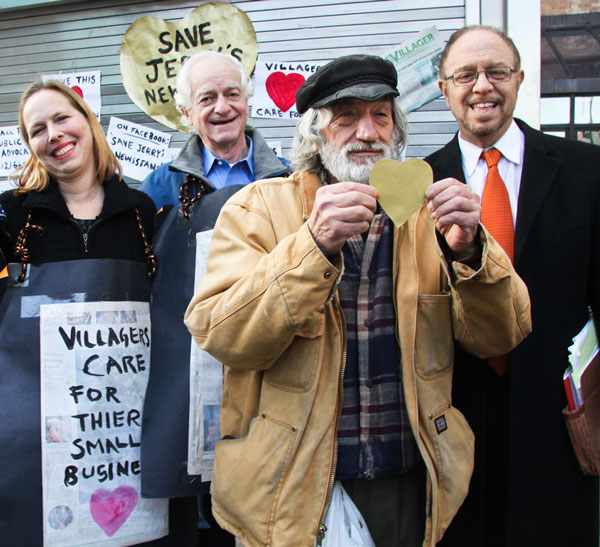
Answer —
(402, 186)
(153, 50)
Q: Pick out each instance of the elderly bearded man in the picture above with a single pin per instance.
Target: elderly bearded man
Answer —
(336, 329)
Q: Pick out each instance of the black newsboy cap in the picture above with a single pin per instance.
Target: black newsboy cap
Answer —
(365, 77)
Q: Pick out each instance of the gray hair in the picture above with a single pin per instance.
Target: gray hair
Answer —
(183, 88)
(308, 139)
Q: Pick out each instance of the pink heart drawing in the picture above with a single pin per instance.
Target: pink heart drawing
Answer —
(282, 88)
(110, 510)
(77, 90)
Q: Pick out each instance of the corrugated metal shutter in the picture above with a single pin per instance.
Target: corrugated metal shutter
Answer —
(82, 36)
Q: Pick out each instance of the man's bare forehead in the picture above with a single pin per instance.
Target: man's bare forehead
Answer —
(213, 89)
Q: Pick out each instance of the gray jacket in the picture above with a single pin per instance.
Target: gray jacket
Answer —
(163, 184)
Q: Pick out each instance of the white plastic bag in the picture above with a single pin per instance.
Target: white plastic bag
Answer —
(345, 525)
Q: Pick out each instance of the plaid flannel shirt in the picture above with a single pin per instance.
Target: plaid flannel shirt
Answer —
(374, 435)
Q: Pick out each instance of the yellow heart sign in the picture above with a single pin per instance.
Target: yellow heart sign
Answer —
(402, 186)
(153, 50)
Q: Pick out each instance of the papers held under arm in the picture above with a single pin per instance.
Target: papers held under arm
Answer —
(582, 352)
(582, 384)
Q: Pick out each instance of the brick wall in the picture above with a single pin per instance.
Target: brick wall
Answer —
(561, 7)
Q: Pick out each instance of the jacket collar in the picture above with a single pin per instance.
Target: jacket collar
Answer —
(118, 197)
(266, 164)
(540, 167)
(309, 184)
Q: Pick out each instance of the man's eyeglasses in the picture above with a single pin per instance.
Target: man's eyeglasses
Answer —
(494, 75)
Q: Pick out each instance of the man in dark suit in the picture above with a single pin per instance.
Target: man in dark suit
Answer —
(527, 488)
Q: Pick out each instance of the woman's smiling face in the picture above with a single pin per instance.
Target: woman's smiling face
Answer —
(59, 135)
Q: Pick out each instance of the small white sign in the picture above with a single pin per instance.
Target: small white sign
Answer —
(276, 147)
(86, 84)
(139, 149)
(171, 154)
(13, 152)
(275, 86)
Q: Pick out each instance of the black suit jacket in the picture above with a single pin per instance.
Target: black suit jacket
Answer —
(527, 488)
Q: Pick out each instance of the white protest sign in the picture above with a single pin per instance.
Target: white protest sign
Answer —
(7, 185)
(276, 147)
(95, 363)
(171, 154)
(416, 61)
(275, 86)
(86, 84)
(139, 149)
(13, 152)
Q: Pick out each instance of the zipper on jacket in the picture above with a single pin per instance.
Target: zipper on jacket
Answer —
(394, 293)
(321, 534)
(85, 236)
(434, 513)
(322, 528)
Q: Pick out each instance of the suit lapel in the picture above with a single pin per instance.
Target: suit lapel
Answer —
(540, 168)
(449, 162)
(539, 172)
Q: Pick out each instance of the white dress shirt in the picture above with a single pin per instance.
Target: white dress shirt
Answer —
(512, 147)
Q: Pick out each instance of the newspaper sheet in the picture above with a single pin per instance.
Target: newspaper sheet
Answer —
(416, 61)
(206, 390)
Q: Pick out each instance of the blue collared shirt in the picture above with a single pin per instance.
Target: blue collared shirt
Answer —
(220, 173)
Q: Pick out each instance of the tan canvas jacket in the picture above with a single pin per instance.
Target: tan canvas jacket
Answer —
(267, 309)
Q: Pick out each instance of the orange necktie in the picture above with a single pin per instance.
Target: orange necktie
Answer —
(496, 216)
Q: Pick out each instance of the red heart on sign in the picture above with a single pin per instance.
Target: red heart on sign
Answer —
(282, 88)
(110, 510)
(77, 90)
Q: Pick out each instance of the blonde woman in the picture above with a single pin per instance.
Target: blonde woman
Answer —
(72, 231)
(71, 202)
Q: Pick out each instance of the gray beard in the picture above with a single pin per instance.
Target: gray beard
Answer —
(338, 163)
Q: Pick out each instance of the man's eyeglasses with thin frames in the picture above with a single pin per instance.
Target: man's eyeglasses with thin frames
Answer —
(493, 75)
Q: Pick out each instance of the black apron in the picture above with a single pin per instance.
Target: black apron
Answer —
(20, 444)
(166, 407)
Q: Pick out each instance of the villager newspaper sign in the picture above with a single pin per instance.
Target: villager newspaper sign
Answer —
(95, 362)
(416, 61)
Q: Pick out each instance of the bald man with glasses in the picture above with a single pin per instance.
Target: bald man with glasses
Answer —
(540, 201)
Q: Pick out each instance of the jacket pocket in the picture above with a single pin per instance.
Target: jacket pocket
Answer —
(296, 368)
(249, 474)
(454, 449)
(434, 346)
